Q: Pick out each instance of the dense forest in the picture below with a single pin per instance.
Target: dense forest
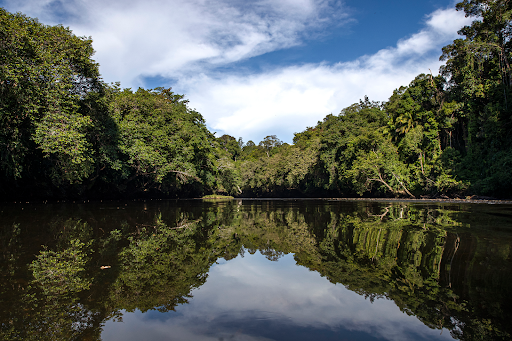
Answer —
(65, 133)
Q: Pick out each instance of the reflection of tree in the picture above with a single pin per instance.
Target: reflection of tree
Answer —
(159, 268)
(396, 251)
(48, 306)
(409, 254)
(58, 273)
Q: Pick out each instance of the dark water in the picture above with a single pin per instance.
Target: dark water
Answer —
(255, 270)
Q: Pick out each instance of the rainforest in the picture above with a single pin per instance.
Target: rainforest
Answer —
(65, 133)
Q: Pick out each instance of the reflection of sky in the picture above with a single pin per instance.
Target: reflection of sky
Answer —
(252, 298)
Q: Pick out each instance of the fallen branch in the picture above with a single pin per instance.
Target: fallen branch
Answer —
(401, 183)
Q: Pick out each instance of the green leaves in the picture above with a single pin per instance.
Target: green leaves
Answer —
(63, 138)
(165, 143)
(377, 165)
(44, 73)
(62, 130)
(478, 68)
(285, 170)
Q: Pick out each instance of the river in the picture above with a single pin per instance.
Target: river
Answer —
(255, 270)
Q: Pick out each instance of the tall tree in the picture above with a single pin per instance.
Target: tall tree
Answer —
(421, 125)
(344, 138)
(269, 143)
(478, 69)
(45, 72)
(231, 145)
(164, 143)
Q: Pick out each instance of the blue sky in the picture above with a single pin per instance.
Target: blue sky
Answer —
(263, 67)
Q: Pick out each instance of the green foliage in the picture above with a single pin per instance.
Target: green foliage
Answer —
(62, 129)
(63, 138)
(165, 143)
(230, 145)
(228, 173)
(421, 126)
(161, 261)
(345, 138)
(216, 196)
(251, 151)
(377, 163)
(478, 68)
(282, 171)
(63, 132)
(447, 134)
(45, 72)
(269, 143)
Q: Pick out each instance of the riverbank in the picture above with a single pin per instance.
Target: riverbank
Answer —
(426, 200)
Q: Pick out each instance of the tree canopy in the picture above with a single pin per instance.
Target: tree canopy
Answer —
(66, 133)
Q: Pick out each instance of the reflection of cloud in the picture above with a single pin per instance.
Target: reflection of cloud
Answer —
(136, 328)
(246, 295)
(287, 100)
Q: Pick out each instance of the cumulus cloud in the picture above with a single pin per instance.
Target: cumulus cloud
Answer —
(289, 99)
(172, 38)
(188, 40)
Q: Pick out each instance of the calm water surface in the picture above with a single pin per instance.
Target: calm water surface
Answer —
(255, 270)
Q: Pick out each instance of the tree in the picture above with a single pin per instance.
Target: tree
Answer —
(231, 145)
(377, 162)
(279, 173)
(270, 142)
(164, 144)
(478, 69)
(251, 151)
(421, 123)
(339, 141)
(45, 72)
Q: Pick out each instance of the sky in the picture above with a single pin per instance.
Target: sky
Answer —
(261, 67)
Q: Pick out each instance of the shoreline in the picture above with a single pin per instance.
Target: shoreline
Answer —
(422, 200)
(452, 201)
(408, 200)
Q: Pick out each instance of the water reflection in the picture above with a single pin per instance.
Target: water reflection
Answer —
(202, 270)
(252, 298)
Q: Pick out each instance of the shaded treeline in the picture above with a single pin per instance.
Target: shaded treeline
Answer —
(424, 258)
(64, 133)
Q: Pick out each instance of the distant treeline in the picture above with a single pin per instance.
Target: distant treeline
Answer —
(65, 133)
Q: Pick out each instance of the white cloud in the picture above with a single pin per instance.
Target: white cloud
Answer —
(446, 22)
(170, 38)
(441, 26)
(187, 39)
(287, 100)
